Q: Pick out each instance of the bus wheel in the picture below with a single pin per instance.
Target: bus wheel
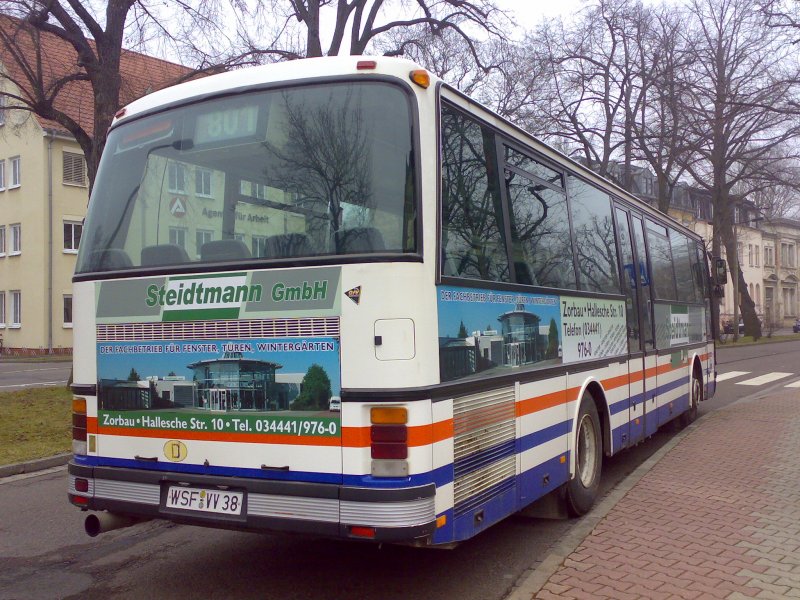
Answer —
(695, 396)
(581, 491)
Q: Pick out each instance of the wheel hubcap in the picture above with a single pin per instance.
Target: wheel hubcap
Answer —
(587, 451)
(696, 391)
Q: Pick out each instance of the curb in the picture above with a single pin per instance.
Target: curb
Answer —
(34, 465)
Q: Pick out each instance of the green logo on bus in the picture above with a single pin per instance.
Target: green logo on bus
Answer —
(199, 295)
(318, 290)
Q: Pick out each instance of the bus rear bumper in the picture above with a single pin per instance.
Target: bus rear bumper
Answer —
(381, 515)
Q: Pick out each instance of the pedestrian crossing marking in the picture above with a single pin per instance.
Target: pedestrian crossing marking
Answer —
(796, 384)
(731, 375)
(762, 379)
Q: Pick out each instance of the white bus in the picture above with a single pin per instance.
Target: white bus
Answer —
(492, 317)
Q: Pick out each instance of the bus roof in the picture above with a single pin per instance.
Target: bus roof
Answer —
(296, 70)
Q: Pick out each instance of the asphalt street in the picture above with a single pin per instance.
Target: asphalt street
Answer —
(17, 375)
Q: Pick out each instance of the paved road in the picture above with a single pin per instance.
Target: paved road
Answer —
(17, 375)
(45, 554)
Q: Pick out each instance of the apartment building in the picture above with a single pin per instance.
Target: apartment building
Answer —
(43, 200)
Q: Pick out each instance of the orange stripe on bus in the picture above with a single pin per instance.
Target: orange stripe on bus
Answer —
(532, 405)
(419, 435)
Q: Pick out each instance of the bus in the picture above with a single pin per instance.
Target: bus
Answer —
(336, 296)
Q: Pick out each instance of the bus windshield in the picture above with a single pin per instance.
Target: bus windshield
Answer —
(299, 172)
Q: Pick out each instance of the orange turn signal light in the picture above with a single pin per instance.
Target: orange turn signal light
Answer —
(390, 415)
(421, 77)
(79, 405)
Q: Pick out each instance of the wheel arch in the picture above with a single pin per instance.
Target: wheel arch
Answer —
(695, 368)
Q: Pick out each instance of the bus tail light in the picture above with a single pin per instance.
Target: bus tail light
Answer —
(389, 441)
(79, 425)
(362, 532)
(388, 436)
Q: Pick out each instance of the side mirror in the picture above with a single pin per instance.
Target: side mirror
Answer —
(720, 271)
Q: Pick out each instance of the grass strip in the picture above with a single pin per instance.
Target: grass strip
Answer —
(36, 423)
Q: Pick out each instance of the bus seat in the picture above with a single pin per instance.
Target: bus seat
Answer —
(163, 254)
(288, 245)
(524, 274)
(109, 259)
(359, 240)
(222, 250)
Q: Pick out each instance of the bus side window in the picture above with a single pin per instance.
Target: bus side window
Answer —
(595, 243)
(473, 236)
(540, 240)
(646, 302)
(629, 279)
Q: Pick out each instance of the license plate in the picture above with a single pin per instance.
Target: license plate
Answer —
(216, 501)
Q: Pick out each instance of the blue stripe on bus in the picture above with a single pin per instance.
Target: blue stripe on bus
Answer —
(493, 510)
(548, 434)
(306, 476)
(484, 496)
(542, 479)
(477, 460)
(441, 476)
(537, 481)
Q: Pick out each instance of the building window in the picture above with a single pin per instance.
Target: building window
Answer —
(2, 240)
(72, 236)
(2, 175)
(769, 257)
(202, 182)
(203, 236)
(16, 239)
(16, 173)
(16, 308)
(2, 309)
(757, 255)
(177, 236)
(74, 171)
(251, 188)
(3, 103)
(750, 255)
(67, 310)
(259, 245)
(176, 174)
(787, 256)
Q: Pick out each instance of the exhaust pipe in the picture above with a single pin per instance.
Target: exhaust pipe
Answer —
(98, 523)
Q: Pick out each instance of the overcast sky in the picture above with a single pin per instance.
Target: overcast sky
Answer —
(529, 12)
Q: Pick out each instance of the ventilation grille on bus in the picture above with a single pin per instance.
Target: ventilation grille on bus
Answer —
(213, 330)
(484, 428)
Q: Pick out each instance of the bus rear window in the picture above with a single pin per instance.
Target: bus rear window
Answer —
(295, 173)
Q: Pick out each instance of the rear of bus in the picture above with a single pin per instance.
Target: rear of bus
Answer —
(251, 271)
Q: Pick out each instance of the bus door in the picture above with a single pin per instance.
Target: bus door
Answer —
(650, 356)
(635, 428)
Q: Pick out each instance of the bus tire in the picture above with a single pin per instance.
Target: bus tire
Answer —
(581, 491)
(695, 397)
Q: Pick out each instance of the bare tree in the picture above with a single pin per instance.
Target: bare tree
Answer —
(783, 14)
(657, 119)
(740, 115)
(50, 47)
(211, 35)
(357, 24)
(592, 78)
